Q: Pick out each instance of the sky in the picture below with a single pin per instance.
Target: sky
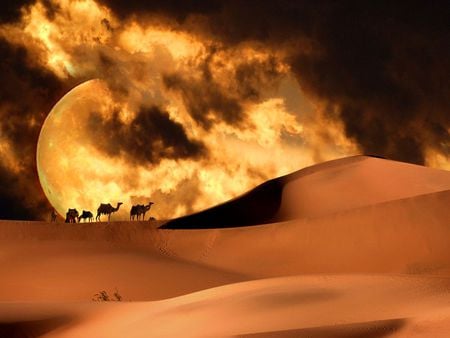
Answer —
(203, 100)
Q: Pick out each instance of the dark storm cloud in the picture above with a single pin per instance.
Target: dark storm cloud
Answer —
(205, 100)
(209, 102)
(12, 204)
(150, 137)
(384, 65)
(178, 9)
(27, 94)
(11, 9)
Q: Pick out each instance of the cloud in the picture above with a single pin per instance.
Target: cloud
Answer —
(383, 65)
(148, 138)
(26, 94)
(380, 65)
(11, 9)
(178, 9)
(219, 86)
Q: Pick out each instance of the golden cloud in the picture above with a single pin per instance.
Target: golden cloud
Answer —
(229, 99)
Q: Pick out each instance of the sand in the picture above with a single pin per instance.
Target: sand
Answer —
(358, 247)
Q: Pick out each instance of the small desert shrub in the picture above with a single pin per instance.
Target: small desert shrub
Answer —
(103, 296)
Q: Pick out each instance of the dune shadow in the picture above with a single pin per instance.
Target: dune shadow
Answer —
(374, 329)
(258, 206)
(285, 299)
(31, 328)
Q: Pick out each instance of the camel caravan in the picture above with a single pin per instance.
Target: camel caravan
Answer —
(137, 212)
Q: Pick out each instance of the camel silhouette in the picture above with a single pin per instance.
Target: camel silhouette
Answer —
(71, 216)
(86, 215)
(140, 209)
(145, 209)
(106, 209)
(53, 215)
(134, 211)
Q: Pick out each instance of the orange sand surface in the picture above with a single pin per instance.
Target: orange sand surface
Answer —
(359, 248)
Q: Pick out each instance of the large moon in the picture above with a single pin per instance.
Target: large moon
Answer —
(72, 172)
(75, 173)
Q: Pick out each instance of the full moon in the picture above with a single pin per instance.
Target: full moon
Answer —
(72, 172)
(75, 173)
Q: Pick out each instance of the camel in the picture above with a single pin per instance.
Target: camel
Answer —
(139, 209)
(134, 211)
(86, 215)
(53, 215)
(71, 216)
(145, 209)
(106, 209)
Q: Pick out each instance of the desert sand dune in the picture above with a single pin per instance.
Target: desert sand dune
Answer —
(319, 190)
(359, 248)
(306, 306)
(403, 236)
(74, 270)
(303, 306)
